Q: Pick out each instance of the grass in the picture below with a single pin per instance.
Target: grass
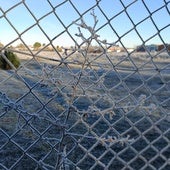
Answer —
(42, 126)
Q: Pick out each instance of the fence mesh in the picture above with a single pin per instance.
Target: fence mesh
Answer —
(74, 109)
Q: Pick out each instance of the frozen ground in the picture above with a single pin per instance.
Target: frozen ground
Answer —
(115, 82)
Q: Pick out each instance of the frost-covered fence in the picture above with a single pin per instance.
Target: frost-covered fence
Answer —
(94, 104)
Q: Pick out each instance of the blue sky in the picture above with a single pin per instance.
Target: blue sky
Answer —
(21, 19)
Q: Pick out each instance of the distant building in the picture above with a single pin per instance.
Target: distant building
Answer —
(164, 47)
(152, 48)
(140, 48)
(115, 48)
(149, 48)
(130, 49)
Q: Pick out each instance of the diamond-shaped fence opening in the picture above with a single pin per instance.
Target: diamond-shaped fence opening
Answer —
(92, 90)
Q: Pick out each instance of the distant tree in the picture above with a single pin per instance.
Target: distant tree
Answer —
(21, 46)
(11, 47)
(1, 45)
(47, 48)
(37, 45)
(59, 49)
(94, 49)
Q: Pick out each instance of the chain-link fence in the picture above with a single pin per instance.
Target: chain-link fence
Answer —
(97, 104)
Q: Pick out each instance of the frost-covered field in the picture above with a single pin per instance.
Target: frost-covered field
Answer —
(113, 97)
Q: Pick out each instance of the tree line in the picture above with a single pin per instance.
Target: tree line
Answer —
(35, 46)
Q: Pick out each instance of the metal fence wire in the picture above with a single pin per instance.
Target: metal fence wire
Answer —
(76, 109)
